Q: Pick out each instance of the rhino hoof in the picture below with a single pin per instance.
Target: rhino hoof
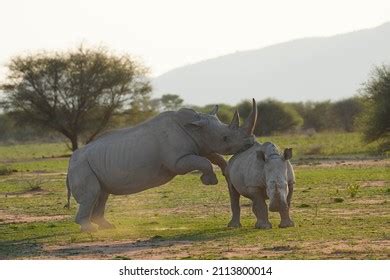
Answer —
(102, 223)
(106, 226)
(209, 179)
(233, 224)
(286, 224)
(88, 228)
(263, 225)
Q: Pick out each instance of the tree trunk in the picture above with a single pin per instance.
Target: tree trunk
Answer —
(75, 143)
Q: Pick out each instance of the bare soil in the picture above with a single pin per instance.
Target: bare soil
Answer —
(8, 218)
(155, 249)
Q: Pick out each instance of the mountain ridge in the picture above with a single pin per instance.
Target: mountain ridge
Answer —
(283, 71)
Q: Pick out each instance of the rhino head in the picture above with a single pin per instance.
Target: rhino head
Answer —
(275, 175)
(213, 136)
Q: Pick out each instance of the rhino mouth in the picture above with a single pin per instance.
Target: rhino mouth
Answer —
(274, 208)
(277, 205)
(246, 147)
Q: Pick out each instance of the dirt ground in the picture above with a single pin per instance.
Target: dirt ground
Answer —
(154, 249)
(8, 218)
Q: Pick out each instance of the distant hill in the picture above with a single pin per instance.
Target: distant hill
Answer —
(304, 69)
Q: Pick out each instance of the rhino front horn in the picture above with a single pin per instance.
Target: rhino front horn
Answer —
(235, 123)
(214, 111)
(250, 122)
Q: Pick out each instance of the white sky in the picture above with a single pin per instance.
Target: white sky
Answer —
(169, 33)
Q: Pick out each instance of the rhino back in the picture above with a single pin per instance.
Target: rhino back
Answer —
(245, 170)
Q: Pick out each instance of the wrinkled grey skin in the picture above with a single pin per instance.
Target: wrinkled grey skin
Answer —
(150, 154)
(259, 173)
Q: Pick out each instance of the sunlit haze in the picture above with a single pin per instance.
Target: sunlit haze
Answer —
(171, 33)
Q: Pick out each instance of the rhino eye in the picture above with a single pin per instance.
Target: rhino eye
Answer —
(225, 138)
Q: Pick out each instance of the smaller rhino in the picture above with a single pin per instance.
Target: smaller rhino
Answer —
(259, 173)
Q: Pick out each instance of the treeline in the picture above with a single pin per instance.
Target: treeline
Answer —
(274, 117)
(76, 95)
(279, 117)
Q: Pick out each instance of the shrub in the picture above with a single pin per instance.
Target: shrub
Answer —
(376, 96)
(5, 171)
(353, 189)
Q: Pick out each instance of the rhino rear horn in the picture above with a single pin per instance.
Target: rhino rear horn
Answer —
(250, 122)
(235, 123)
(214, 111)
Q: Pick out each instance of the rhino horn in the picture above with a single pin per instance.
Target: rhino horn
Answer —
(235, 123)
(214, 111)
(250, 122)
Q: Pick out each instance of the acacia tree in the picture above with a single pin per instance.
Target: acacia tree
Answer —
(171, 102)
(75, 93)
(376, 96)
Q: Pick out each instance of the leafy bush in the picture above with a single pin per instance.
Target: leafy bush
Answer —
(376, 94)
(353, 189)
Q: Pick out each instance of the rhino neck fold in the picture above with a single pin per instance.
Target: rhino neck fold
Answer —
(193, 139)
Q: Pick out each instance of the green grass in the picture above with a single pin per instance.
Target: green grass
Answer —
(32, 151)
(324, 144)
(186, 211)
(186, 220)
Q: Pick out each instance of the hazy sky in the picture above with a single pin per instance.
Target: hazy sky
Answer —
(170, 33)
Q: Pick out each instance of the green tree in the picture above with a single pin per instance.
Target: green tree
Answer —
(376, 96)
(318, 116)
(171, 102)
(75, 93)
(244, 108)
(345, 113)
(142, 107)
(275, 116)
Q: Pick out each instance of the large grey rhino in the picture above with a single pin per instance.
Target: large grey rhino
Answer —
(150, 154)
(258, 173)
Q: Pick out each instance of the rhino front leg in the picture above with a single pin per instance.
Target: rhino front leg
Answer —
(260, 210)
(285, 212)
(193, 162)
(98, 212)
(285, 218)
(219, 161)
(235, 206)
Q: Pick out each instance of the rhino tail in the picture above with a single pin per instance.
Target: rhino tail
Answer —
(67, 205)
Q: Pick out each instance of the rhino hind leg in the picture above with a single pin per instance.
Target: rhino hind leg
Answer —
(235, 207)
(87, 196)
(98, 212)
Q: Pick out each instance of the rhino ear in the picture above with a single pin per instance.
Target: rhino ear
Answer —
(214, 111)
(261, 156)
(287, 154)
(235, 123)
